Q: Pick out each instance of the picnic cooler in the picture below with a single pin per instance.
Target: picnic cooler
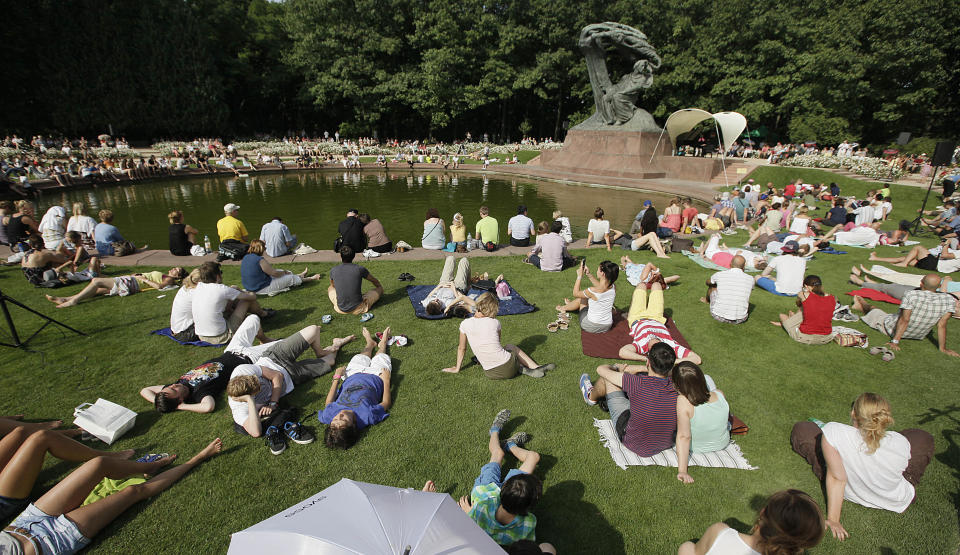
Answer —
(104, 419)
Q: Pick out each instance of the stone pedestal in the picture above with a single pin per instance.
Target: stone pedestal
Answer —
(626, 154)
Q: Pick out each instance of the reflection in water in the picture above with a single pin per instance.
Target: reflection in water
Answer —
(313, 203)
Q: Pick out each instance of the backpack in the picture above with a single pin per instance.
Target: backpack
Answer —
(231, 249)
(123, 248)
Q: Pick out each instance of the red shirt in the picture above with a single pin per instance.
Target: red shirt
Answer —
(689, 214)
(818, 314)
(653, 414)
(789, 190)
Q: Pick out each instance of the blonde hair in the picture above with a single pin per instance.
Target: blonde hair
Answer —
(105, 216)
(78, 209)
(871, 414)
(192, 279)
(23, 203)
(557, 214)
(175, 217)
(457, 221)
(488, 304)
(243, 385)
(257, 246)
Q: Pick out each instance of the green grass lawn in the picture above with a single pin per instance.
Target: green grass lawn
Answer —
(438, 425)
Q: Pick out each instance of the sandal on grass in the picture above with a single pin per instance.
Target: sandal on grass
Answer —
(552, 327)
(563, 324)
(152, 457)
(366, 317)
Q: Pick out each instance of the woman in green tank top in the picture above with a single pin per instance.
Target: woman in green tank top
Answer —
(702, 417)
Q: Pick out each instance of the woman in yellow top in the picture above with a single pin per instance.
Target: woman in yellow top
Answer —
(458, 231)
(122, 286)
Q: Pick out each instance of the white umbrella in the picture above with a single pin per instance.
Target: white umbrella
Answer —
(356, 517)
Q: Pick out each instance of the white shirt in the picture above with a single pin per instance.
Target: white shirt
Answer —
(444, 295)
(599, 228)
(732, 299)
(600, 311)
(520, 227)
(181, 314)
(799, 225)
(209, 302)
(82, 224)
(240, 409)
(790, 271)
(864, 215)
(873, 479)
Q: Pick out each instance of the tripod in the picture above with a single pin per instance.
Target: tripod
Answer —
(916, 222)
(13, 328)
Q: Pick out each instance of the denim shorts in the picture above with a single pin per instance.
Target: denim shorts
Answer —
(54, 534)
(490, 474)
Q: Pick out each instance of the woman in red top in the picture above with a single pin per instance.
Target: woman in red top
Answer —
(812, 324)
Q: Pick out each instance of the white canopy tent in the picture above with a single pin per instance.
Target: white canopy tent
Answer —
(729, 126)
(359, 518)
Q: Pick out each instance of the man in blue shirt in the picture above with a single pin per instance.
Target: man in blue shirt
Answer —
(364, 397)
(277, 236)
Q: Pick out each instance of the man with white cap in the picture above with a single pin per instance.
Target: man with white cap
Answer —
(229, 227)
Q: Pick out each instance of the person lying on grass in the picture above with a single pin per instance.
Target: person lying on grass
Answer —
(499, 362)
(647, 326)
(865, 463)
(364, 397)
(194, 391)
(790, 523)
(597, 299)
(920, 310)
(24, 447)
(122, 286)
(57, 523)
(451, 292)
(944, 258)
(642, 400)
(702, 416)
(501, 507)
(254, 389)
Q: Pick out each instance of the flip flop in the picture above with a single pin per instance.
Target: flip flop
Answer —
(326, 318)
(563, 325)
(887, 355)
(876, 350)
(152, 457)
(552, 327)
(366, 317)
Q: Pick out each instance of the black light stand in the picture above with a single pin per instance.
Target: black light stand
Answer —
(919, 219)
(13, 328)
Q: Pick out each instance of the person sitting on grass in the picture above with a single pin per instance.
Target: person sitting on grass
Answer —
(345, 283)
(122, 286)
(259, 276)
(501, 505)
(647, 326)
(597, 300)
(813, 323)
(790, 269)
(703, 415)
(550, 253)
(499, 362)
(728, 293)
(72, 249)
(364, 397)
(39, 263)
(58, 524)
(865, 463)
(641, 399)
(790, 523)
(920, 310)
(22, 452)
(254, 390)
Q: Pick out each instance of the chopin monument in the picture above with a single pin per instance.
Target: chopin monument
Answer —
(620, 138)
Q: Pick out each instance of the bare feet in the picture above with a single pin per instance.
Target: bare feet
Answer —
(664, 256)
(53, 299)
(303, 274)
(430, 486)
(855, 280)
(855, 271)
(704, 300)
(208, 451)
(341, 341)
(778, 324)
(367, 336)
(859, 305)
(873, 256)
(71, 432)
(314, 277)
(499, 278)
(67, 304)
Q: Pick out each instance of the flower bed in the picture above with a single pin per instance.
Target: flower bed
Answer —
(870, 167)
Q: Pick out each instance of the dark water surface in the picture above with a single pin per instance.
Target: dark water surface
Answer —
(312, 203)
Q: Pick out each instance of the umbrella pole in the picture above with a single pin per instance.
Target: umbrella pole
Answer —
(654, 153)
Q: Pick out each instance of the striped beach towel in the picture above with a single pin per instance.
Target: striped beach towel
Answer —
(731, 457)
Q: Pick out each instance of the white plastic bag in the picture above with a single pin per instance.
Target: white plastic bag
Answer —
(104, 419)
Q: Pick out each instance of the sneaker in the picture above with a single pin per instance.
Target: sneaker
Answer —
(586, 386)
(519, 438)
(533, 372)
(297, 433)
(274, 440)
(501, 419)
(546, 367)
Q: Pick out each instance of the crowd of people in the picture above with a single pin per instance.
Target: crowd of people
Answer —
(663, 401)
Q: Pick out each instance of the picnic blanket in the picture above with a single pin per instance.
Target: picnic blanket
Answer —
(731, 457)
(514, 304)
(710, 264)
(607, 344)
(874, 295)
(167, 332)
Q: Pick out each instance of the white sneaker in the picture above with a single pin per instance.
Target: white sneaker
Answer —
(370, 253)
(303, 248)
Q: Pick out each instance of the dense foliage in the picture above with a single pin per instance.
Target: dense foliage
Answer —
(812, 71)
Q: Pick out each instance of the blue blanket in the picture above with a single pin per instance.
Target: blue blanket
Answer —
(514, 305)
(167, 332)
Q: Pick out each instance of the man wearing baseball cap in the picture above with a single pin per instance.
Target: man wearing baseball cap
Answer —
(790, 269)
(229, 227)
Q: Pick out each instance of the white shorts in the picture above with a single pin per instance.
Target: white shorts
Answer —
(362, 364)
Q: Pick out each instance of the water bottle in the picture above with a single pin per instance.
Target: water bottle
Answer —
(816, 421)
(206, 242)
(469, 242)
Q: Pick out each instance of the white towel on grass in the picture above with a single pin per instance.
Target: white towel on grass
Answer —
(731, 457)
